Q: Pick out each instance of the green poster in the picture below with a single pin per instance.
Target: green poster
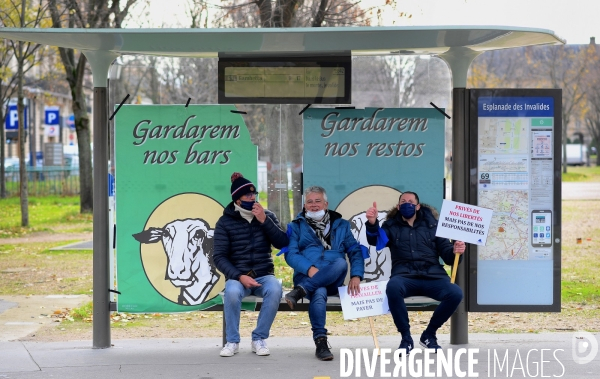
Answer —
(173, 166)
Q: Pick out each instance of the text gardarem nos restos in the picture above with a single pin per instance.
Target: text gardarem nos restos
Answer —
(145, 131)
(332, 123)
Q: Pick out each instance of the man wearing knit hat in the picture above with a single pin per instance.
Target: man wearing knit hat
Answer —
(242, 252)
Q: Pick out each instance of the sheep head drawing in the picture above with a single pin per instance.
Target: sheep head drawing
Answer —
(188, 245)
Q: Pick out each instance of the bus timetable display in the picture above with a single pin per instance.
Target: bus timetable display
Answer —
(515, 171)
(323, 80)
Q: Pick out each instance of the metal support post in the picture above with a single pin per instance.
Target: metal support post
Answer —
(100, 62)
(459, 59)
(101, 326)
(459, 324)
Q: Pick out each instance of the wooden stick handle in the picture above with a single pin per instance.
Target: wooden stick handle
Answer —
(374, 335)
(455, 267)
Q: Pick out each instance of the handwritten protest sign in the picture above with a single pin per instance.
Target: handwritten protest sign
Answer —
(371, 301)
(464, 222)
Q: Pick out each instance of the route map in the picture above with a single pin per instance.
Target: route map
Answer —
(509, 229)
(503, 135)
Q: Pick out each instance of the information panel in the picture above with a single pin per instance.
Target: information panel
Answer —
(321, 80)
(515, 144)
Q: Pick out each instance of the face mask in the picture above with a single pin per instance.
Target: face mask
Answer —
(316, 215)
(407, 210)
(247, 205)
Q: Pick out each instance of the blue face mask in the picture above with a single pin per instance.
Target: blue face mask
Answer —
(247, 205)
(407, 210)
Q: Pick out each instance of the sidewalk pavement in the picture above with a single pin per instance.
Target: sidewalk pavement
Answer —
(499, 356)
(21, 315)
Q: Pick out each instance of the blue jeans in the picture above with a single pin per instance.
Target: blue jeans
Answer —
(323, 283)
(270, 291)
(448, 294)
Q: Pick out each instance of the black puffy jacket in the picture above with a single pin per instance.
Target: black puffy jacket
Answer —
(241, 246)
(415, 250)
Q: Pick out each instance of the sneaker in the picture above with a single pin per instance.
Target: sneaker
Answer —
(407, 344)
(230, 349)
(260, 347)
(323, 352)
(429, 341)
(294, 296)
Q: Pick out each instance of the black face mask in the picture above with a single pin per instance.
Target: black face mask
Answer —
(247, 205)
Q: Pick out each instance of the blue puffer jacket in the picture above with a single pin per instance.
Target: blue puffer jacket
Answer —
(415, 250)
(305, 248)
(241, 246)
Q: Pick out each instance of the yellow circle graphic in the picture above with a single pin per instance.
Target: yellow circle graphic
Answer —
(353, 208)
(167, 238)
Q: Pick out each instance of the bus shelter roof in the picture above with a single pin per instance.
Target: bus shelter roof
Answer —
(415, 40)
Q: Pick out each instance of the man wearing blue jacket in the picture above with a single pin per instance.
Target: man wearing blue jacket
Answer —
(242, 252)
(320, 240)
(416, 270)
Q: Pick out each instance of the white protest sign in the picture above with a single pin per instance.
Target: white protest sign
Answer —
(371, 301)
(464, 222)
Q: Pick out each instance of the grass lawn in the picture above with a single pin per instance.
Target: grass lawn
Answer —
(582, 174)
(35, 269)
(51, 214)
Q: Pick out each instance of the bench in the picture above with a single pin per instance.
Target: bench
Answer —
(253, 303)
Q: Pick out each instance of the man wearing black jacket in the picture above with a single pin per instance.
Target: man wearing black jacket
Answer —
(242, 252)
(416, 270)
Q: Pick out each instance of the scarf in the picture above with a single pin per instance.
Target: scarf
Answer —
(248, 215)
(322, 228)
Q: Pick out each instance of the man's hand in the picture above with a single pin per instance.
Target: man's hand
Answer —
(459, 247)
(354, 286)
(259, 212)
(372, 214)
(248, 282)
(312, 271)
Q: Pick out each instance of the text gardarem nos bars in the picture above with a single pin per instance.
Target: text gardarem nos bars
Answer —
(145, 131)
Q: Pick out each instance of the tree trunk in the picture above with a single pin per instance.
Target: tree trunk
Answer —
(21, 118)
(82, 128)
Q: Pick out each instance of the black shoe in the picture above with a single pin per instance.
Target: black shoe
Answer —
(323, 352)
(407, 344)
(294, 295)
(429, 341)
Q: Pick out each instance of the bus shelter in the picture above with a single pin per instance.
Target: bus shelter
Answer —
(458, 46)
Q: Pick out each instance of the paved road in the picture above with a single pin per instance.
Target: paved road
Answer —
(580, 191)
(570, 191)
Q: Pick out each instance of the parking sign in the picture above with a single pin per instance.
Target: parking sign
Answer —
(12, 118)
(51, 115)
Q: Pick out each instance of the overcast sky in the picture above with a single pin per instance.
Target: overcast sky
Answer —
(573, 20)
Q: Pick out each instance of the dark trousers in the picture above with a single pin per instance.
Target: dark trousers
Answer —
(448, 294)
(323, 283)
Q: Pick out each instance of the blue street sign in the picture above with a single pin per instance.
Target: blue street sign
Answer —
(51, 115)
(111, 185)
(71, 122)
(12, 118)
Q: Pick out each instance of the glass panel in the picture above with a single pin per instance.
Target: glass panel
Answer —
(380, 81)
